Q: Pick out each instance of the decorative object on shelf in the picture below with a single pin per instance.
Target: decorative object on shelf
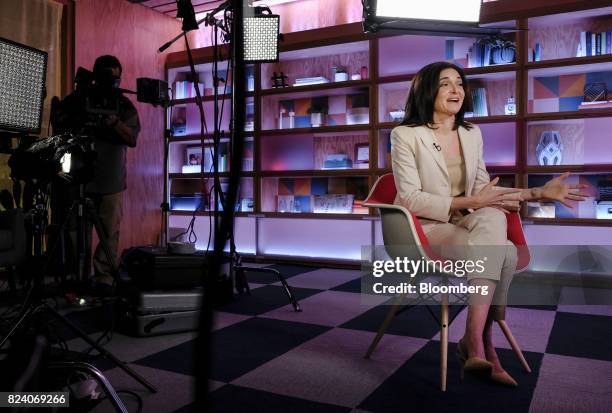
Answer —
(333, 204)
(317, 111)
(491, 50)
(550, 149)
(341, 75)
(286, 116)
(249, 124)
(187, 202)
(541, 209)
(397, 115)
(363, 72)
(246, 205)
(510, 107)
(362, 153)
(316, 80)
(337, 161)
(357, 116)
(596, 92)
(250, 78)
(604, 210)
(358, 111)
(356, 76)
(223, 82)
(284, 203)
(537, 52)
(178, 122)
(279, 80)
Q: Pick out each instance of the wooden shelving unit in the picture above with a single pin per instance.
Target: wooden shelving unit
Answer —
(314, 52)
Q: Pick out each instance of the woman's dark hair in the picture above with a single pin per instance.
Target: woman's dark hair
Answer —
(423, 92)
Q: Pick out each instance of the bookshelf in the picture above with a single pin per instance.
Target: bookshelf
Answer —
(288, 151)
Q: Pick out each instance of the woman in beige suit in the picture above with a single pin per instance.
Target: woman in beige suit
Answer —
(441, 176)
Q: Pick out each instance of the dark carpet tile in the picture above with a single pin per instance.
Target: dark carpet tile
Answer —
(353, 286)
(581, 335)
(232, 399)
(238, 348)
(264, 299)
(537, 296)
(415, 386)
(413, 322)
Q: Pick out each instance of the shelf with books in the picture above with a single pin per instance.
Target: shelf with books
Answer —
(193, 194)
(182, 83)
(314, 194)
(315, 151)
(318, 66)
(334, 107)
(192, 100)
(596, 206)
(187, 156)
(571, 142)
(565, 35)
(184, 119)
(405, 54)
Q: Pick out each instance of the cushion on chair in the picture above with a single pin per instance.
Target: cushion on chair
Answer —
(6, 239)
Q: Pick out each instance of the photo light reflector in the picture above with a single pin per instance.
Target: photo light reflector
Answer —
(261, 38)
(447, 10)
(22, 81)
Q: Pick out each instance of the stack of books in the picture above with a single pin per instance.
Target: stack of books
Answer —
(596, 105)
(310, 81)
(185, 89)
(593, 44)
(479, 96)
(479, 55)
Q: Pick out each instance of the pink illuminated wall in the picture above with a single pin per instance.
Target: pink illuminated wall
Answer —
(499, 143)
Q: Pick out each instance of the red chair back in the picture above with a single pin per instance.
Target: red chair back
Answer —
(384, 191)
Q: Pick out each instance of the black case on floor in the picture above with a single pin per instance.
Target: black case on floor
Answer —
(152, 268)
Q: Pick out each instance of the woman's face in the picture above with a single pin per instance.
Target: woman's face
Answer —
(450, 93)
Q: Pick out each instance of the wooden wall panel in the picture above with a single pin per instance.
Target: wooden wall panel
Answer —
(132, 33)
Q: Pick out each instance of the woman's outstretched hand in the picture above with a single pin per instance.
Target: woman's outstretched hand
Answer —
(557, 190)
(503, 198)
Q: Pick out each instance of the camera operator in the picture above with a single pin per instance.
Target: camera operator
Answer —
(112, 135)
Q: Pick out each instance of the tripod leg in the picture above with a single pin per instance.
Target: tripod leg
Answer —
(26, 314)
(102, 351)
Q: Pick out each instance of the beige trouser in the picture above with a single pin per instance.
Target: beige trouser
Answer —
(110, 211)
(475, 236)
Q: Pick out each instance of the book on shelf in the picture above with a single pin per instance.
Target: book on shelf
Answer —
(185, 89)
(596, 105)
(316, 80)
(333, 204)
(479, 98)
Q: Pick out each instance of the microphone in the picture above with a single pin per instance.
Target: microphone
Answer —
(438, 147)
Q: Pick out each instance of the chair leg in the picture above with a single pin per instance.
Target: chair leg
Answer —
(443, 341)
(517, 350)
(384, 326)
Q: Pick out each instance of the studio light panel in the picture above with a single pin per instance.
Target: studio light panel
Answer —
(261, 38)
(22, 80)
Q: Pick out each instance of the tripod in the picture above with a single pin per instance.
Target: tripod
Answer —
(84, 209)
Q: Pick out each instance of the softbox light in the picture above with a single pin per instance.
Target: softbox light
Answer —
(261, 38)
(22, 84)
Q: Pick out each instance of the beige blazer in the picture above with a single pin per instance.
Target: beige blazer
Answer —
(421, 176)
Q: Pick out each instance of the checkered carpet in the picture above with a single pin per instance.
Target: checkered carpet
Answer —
(268, 358)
